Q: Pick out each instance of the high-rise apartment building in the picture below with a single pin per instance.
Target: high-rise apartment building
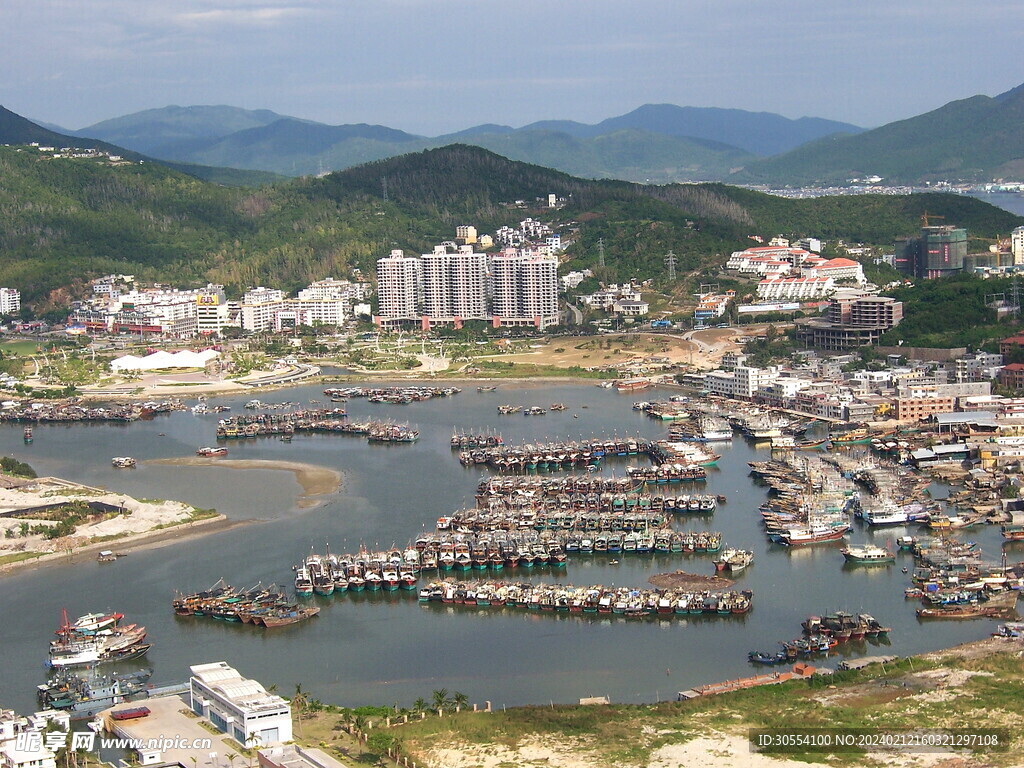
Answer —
(10, 301)
(514, 287)
(540, 290)
(400, 286)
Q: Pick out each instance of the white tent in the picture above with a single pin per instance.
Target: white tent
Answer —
(161, 360)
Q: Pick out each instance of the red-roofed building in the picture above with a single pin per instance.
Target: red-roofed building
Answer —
(837, 269)
(1012, 375)
(1009, 345)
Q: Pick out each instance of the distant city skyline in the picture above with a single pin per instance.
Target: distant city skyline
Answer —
(435, 66)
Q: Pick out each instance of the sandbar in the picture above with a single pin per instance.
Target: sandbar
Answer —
(315, 480)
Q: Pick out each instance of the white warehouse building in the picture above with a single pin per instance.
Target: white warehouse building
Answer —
(239, 707)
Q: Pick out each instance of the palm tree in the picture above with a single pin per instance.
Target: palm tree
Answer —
(252, 742)
(420, 705)
(460, 700)
(299, 703)
(440, 699)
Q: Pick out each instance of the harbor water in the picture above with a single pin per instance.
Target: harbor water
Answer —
(386, 648)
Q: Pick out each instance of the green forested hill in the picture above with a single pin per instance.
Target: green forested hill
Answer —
(63, 222)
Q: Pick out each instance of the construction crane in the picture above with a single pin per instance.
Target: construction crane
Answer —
(925, 216)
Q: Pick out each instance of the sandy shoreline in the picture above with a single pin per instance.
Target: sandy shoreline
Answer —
(314, 480)
(134, 543)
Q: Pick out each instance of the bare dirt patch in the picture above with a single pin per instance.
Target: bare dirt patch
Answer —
(692, 581)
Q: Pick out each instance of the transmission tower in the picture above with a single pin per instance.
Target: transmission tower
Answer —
(384, 187)
(600, 252)
(671, 261)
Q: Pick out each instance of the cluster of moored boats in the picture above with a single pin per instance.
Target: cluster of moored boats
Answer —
(622, 601)
(330, 420)
(260, 606)
(553, 456)
(464, 440)
(325, 575)
(96, 638)
(822, 634)
(392, 395)
(503, 519)
(69, 410)
(85, 693)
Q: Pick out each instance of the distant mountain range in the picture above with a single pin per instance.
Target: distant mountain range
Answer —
(975, 139)
(656, 142)
(15, 129)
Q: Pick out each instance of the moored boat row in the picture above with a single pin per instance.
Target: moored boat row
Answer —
(623, 601)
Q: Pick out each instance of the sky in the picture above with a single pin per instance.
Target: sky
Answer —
(435, 66)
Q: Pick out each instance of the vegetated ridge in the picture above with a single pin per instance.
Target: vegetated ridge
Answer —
(66, 221)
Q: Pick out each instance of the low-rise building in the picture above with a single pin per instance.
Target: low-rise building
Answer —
(239, 707)
(1012, 376)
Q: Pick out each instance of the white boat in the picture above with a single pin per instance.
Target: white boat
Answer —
(886, 516)
(868, 555)
(123, 462)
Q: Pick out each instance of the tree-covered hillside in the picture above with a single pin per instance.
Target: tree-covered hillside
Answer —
(63, 222)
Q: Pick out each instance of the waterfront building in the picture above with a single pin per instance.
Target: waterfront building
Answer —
(10, 301)
(239, 707)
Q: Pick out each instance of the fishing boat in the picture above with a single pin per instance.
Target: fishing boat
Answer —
(1012, 532)
(123, 462)
(632, 385)
(733, 560)
(857, 436)
(811, 445)
(210, 450)
(812, 534)
(83, 696)
(27, 434)
(303, 582)
(868, 555)
(770, 659)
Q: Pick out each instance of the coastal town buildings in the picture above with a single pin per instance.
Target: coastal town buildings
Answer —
(119, 306)
(23, 740)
